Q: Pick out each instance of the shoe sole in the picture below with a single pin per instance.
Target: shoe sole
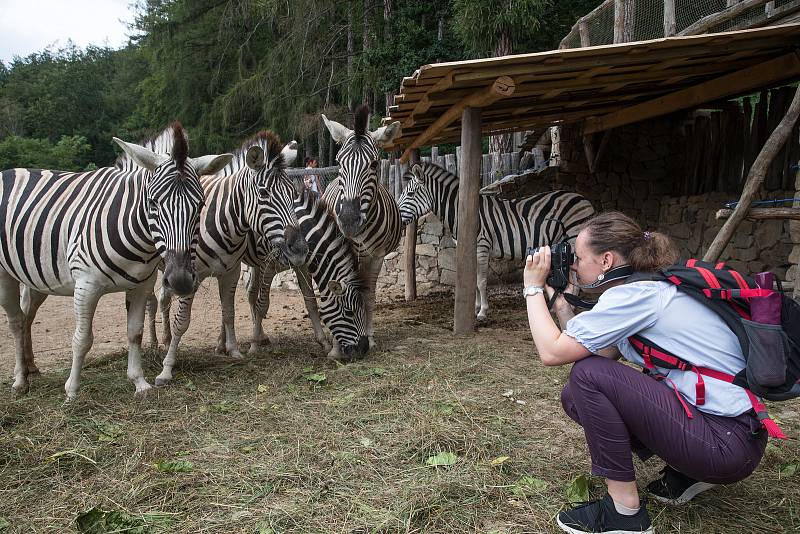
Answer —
(571, 530)
(689, 493)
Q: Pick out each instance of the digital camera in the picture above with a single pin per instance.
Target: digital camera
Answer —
(561, 259)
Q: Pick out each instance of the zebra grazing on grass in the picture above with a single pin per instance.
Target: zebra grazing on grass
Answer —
(365, 211)
(255, 203)
(333, 265)
(506, 227)
(91, 233)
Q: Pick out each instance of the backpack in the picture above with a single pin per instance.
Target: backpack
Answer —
(766, 323)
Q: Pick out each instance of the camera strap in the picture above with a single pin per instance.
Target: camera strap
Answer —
(617, 273)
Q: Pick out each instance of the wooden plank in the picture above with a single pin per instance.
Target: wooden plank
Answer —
(467, 222)
(755, 178)
(765, 74)
(764, 214)
(501, 88)
(583, 29)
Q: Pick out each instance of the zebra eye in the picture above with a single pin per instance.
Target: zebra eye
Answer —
(263, 192)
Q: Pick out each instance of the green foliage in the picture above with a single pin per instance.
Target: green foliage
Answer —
(70, 153)
(228, 68)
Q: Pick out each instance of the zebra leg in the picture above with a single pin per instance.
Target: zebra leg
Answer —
(85, 301)
(258, 288)
(165, 303)
(152, 309)
(304, 281)
(137, 299)
(182, 319)
(481, 296)
(31, 300)
(370, 280)
(10, 300)
(227, 295)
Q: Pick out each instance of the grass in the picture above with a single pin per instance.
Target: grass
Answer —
(290, 442)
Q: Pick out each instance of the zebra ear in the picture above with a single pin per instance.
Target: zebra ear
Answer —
(335, 287)
(338, 131)
(254, 158)
(143, 157)
(210, 164)
(289, 153)
(386, 134)
(416, 170)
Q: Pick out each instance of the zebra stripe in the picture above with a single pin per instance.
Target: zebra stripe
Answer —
(86, 234)
(506, 227)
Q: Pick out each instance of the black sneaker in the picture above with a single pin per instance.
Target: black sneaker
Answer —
(601, 516)
(675, 487)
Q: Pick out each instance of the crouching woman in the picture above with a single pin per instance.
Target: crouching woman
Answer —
(624, 411)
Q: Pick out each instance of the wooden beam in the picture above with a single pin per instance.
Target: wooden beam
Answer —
(467, 221)
(583, 29)
(706, 23)
(755, 178)
(410, 250)
(765, 74)
(670, 27)
(501, 88)
(623, 21)
(763, 214)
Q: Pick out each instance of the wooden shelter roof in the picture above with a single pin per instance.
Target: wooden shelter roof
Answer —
(600, 86)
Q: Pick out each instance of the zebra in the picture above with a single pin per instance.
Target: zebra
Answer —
(333, 265)
(506, 227)
(90, 233)
(365, 211)
(255, 203)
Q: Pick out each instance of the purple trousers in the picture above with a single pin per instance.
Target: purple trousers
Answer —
(623, 410)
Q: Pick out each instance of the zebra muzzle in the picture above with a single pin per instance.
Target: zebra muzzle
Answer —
(179, 273)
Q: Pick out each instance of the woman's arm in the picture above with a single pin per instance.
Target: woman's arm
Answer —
(554, 347)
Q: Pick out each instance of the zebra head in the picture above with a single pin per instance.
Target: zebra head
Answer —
(417, 199)
(341, 308)
(358, 165)
(274, 193)
(173, 199)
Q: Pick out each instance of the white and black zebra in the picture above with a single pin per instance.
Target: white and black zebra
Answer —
(253, 204)
(506, 227)
(333, 265)
(91, 233)
(365, 211)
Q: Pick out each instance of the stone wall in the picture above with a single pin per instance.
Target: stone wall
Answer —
(641, 173)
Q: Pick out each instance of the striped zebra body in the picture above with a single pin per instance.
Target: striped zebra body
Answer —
(254, 204)
(333, 265)
(88, 234)
(506, 227)
(365, 211)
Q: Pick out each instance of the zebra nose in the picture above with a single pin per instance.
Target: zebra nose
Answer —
(179, 273)
(350, 217)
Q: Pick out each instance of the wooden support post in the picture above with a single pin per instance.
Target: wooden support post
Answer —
(670, 28)
(715, 19)
(583, 30)
(755, 177)
(410, 249)
(623, 21)
(467, 222)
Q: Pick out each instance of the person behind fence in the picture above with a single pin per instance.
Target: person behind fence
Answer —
(622, 411)
(312, 181)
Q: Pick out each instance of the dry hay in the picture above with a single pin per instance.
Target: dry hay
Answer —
(268, 446)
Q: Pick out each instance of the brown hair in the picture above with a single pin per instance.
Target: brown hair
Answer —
(644, 251)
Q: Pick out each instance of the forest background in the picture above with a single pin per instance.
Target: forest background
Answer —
(229, 68)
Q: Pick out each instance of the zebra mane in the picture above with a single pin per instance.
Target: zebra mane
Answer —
(268, 141)
(180, 146)
(161, 143)
(326, 211)
(361, 120)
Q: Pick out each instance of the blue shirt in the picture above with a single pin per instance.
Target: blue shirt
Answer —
(676, 323)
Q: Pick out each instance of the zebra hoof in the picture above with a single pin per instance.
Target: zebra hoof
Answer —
(33, 370)
(236, 355)
(161, 382)
(142, 390)
(21, 386)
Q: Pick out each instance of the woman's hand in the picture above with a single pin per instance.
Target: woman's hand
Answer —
(537, 267)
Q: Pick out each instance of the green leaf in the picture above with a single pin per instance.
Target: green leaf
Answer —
(221, 407)
(442, 459)
(317, 377)
(92, 520)
(378, 371)
(788, 470)
(528, 485)
(4, 523)
(443, 408)
(108, 432)
(366, 442)
(578, 489)
(190, 385)
(174, 466)
(500, 460)
(263, 528)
